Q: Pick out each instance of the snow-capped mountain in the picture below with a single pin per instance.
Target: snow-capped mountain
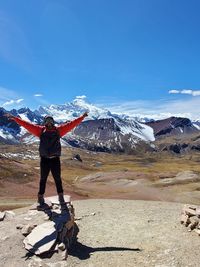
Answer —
(101, 130)
(72, 110)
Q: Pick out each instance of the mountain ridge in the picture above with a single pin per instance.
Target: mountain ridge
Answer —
(100, 131)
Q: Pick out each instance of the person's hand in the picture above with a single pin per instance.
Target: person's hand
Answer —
(9, 116)
(85, 114)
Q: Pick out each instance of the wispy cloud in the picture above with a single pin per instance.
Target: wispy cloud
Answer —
(174, 92)
(38, 95)
(9, 97)
(12, 102)
(157, 109)
(186, 92)
(7, 94)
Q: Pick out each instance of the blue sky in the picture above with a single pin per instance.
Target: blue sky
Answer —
(131, 55)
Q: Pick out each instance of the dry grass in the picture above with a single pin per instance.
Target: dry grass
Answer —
(154, 166)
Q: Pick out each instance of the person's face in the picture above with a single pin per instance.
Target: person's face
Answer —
(49, 123)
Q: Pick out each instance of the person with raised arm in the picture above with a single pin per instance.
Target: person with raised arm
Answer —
(49, 149)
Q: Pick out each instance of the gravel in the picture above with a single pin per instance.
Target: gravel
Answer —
(113, 233)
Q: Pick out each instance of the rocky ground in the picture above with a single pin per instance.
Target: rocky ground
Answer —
(112, 233)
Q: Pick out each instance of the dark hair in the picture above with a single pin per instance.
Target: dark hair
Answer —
(46, 118)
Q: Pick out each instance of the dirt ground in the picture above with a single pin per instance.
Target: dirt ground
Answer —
(113, 233)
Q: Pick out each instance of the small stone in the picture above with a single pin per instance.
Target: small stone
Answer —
(46, 217)
(32, 212)
(2, 215)
(9, 214)
(19, 226)
(198, 211)
(93, 213)
(185, 219)
(27, 229)
(190, 212)
(61, 246)
(190, 206)
(27, 218)
(194, 219)
(197, 231)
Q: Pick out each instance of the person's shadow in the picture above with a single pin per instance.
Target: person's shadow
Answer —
(83, 252)
(78, 250)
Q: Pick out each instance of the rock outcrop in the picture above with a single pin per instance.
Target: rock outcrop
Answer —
(190, 217)
(56, 231)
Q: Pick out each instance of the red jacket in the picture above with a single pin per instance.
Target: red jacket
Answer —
(38, 129)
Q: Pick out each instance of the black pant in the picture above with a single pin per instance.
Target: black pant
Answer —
(47, 165)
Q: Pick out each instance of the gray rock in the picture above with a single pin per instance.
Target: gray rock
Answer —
(198, 211)
(9, 214)
(61, 246)
(41, 239)
(190, 212)
(197, 231)
(185, 219)
(19, 226)
(27, 229)
(2, 215)
(54, 199)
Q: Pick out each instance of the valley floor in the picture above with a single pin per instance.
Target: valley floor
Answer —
(145, 176)
(112, 233)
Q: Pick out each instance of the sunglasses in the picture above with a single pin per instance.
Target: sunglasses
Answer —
(49, 120)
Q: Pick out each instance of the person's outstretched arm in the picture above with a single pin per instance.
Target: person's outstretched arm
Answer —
(68, 126)
(32, 128)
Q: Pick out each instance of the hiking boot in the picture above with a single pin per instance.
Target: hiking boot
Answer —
(41, 200)
(63, 204)
(61, 198)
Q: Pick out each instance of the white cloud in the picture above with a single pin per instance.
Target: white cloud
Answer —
(81, 97)
(6, 94)
(12, 102)
(196, 93)
(38, 95)
(174, 92)
(185, 92)
(158, 109)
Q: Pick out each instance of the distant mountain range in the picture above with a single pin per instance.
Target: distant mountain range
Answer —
(100, 131)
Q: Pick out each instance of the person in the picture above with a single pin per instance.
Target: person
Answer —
(49, 149)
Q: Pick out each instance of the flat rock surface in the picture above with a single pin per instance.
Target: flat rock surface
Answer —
(112, 233)
(39, 245)
(54, 199)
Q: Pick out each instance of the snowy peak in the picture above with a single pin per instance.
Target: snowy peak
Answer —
(74, 109)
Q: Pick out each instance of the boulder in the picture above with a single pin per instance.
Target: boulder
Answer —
(59, 233)
(41, 239)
